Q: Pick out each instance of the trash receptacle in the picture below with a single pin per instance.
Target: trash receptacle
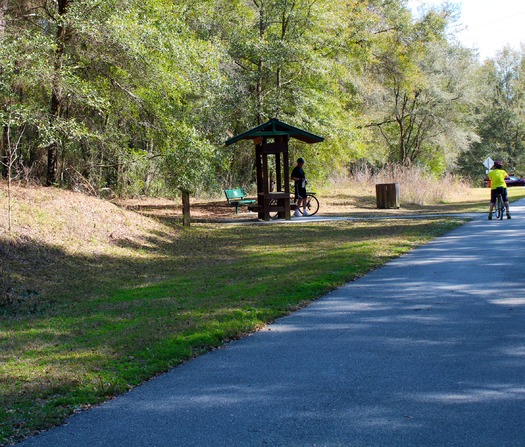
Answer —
(387, 195)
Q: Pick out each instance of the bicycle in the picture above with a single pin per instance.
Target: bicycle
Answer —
(312, 205)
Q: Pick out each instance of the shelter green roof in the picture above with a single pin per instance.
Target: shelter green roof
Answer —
(273, 128)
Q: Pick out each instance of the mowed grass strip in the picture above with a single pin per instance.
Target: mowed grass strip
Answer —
(105, 323)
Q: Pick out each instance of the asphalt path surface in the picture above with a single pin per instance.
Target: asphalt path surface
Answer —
(427, 351)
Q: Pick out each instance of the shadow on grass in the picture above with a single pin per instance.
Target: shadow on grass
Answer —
(107, 322)
(172, 214)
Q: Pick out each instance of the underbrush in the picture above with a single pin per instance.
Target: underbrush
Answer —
(416, 185)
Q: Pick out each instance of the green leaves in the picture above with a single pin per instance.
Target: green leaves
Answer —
(416, 112)
(499, 116)
(99, 82)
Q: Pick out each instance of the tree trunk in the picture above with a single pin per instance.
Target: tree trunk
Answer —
(3, 9)
(4, 151)
(56, 95)
(3, 142)
(260, 67)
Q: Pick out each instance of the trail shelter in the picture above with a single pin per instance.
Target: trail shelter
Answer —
(271, 149)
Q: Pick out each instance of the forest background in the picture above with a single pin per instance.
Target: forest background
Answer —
(128, 97)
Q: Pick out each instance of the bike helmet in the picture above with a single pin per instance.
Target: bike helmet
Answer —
(498, 165)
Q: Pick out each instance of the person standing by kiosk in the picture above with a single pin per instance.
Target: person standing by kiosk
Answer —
(299, 178)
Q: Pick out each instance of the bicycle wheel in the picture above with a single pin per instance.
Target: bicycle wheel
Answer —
(312, 205)
(273, 214)
(499, 207)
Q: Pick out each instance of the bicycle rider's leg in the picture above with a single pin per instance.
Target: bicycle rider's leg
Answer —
(298, 201)
(305, 206)
(493, 194)
(297, 212)
(303, 201)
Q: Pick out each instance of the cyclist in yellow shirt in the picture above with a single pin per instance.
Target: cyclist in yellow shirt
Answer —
(498, 186)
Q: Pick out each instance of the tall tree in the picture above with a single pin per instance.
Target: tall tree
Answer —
(294, 60)
(500, 115)
(138, 97)
(57, 99)
(21, 73)
(120, 77)
(423, 79)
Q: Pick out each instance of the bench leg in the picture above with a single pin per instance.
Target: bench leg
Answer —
(236, 208)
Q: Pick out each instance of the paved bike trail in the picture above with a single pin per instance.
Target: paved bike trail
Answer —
(427, 351)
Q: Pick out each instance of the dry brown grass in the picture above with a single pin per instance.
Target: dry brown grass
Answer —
(417, 188)
(76, 222)
(73, 221)
(63, 234)
(60, 237)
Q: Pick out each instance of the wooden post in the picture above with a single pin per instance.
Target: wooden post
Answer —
(186, 219)
(286, 166)
(387, 195)
(278, 174)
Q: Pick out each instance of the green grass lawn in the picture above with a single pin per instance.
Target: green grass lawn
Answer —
(114, 322)
(95, 323)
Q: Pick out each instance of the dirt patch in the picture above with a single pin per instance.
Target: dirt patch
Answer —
(166, 207)
(201, 210)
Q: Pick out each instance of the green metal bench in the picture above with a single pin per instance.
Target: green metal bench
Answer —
(236, 198)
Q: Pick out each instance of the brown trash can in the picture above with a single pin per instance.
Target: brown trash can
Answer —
(387, 195)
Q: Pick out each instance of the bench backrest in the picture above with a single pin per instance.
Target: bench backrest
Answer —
(234, 194)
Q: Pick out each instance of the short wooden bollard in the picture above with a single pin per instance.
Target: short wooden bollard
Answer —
(387, 195)
(186, 219)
